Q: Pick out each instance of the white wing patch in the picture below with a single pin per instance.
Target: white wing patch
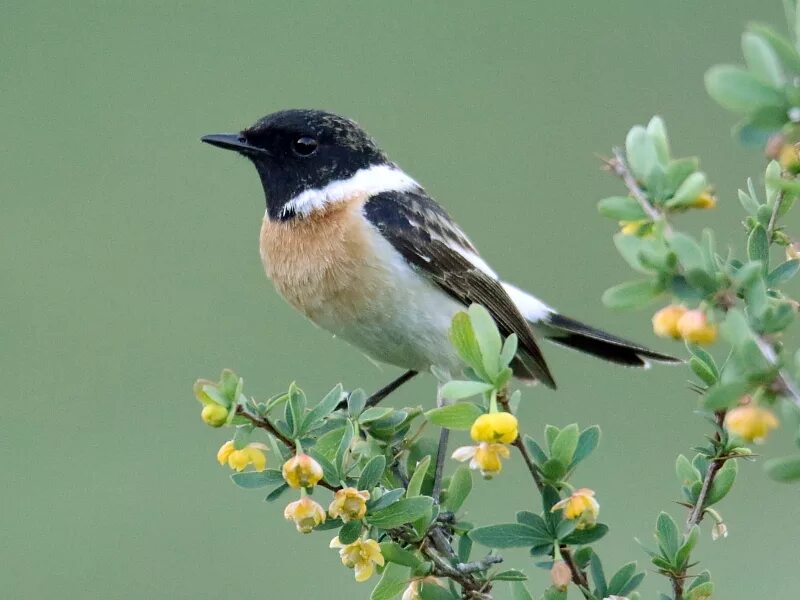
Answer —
(368, 182)
(532, 308)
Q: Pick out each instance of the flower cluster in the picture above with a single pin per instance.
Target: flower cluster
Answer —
(239, 458)
(677, 322)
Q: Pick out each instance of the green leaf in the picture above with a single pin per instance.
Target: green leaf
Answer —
(328, 442)
(598, 576)
(705, 357)
(393, 581)
(749, 203)
(464, 341)
(641, 153)
(510, 575)
(587, 442)
(667, 535)
(454, 416)
(329, 472)
(701, 592)
(621, 208)
(393, 552)
(686, 472)
(725, 395)
(415, 483)
(694, 185)
(739, 90)
(786, 468)
(349, 532)
(683, 553)
(535, 449)
(586, 536)
(782, 47)
(457, 390)
(565, 444)
(276, 493)
(657, 131)
(722, 482)
(507, 535)
(433, 591)
(342, 450)
(554, 470)
(519, 591)
(783, 273)
(632, 248)
(371, 473)
(356, 402)
(488, 338)
(621, 578)
(689, 252)
(458, 490)
(702, 371)
(325, 407)
(401, 512)
(296, 408)
(758, 246)
(762, 60)
(251, 480)
(388, 498)
(374, 413)
(509, 350)
(631, 294)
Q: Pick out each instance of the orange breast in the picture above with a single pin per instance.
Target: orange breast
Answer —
(324, 264)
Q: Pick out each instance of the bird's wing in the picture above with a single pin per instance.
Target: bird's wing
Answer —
(423, 233)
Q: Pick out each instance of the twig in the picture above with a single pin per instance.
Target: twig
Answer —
(578, 576)
(441, 452)
(620, 168)
(480, 565)
(266, 425)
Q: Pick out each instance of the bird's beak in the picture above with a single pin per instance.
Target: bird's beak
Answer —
(233, 141)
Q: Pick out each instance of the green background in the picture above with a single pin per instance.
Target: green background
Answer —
(128, 267)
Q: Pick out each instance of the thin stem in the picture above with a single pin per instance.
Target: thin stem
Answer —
(441, 452)
(578, 577)
(267, 426)
(620, 168)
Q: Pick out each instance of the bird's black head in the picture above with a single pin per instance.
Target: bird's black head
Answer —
(297, 151)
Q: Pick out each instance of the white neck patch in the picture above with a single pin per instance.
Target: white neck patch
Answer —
(370, 181)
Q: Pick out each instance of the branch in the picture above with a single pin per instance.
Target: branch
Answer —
(619, 167)
(267, 426)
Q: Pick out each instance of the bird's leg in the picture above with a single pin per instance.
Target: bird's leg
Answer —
(385, 390)
(441, 453)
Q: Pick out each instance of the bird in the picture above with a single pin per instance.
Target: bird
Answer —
(356, 245)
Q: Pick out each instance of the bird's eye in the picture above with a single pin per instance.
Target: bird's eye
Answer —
(305, 146)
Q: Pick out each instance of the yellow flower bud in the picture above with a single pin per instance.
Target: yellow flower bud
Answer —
(580, 505)
(252, 454)
(751, 422)
(484, 457)
(302, 471)
(719, 530)
(305, 513)
(632, 227)
(706, 200)
(214, 415)
(694, 327)
(499, 427)
(560, 574)
(361, 556)
(665, 321)
(789, 158)
(349, 503)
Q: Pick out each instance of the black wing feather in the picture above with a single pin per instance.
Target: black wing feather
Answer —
(422, 232)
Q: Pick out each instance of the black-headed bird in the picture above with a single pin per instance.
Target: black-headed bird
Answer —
(356, 245)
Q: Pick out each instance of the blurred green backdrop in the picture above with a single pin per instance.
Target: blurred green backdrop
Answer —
(129, 265)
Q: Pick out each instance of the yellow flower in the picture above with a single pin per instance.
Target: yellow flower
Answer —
(793, 251)
(751, 422)
(361, 555)
(349, 504)
(788, 158)
(305, 513)
(705, 200)
(499, 427)
(484, 457)
(560, 574)
(302, 471)
(632, 227)
(665, 321)
(214, 414)
(252, 454)
(412, 592)
(580, 505)
(694, 327)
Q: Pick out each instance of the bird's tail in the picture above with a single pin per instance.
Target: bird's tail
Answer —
(579, 336)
